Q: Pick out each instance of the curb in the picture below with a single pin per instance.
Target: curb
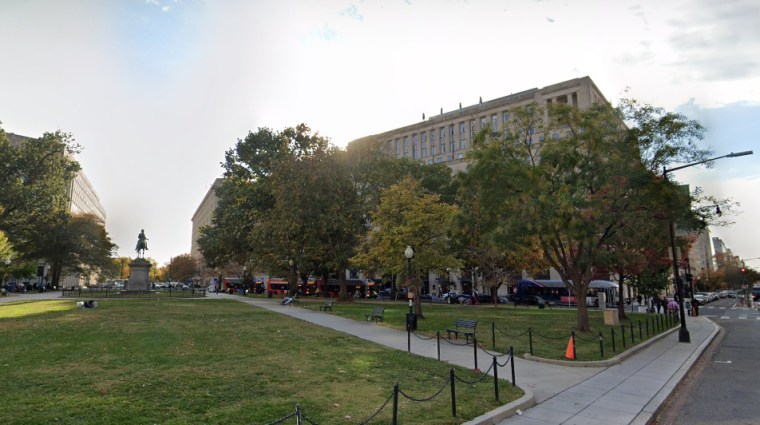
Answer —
(500, 413)
(602, 363)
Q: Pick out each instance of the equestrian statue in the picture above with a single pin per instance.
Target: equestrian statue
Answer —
(142, 244)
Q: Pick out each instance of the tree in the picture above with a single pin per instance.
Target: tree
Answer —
(183, 267)
(34, 182)
(575, 188)
(75, 243)
(407, 216)
(484, 245)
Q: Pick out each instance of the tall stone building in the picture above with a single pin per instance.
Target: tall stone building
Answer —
(202, 217)
(445, 138)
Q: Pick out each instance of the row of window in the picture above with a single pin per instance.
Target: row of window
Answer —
(420, 142)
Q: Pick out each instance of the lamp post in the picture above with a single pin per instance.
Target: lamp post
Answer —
(409, 254)
(683, 333)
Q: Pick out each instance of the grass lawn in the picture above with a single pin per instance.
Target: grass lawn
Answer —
(186, 361)
(551, 327)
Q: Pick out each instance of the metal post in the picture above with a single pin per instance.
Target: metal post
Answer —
(530, 340)
(572, 335)
(408, 339)
(298, 415)
(633, 337)
(622, 334)
(683, 333)
(438, 343)
(601, 345)
(452, 378)
(641, 334)
(475, 350)
(613, 340)
(496, 378)
(493, 335)
(646, 325)
(395, 400)
(512, 362)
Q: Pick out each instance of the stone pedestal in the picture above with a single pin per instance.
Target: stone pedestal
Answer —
(139, 275)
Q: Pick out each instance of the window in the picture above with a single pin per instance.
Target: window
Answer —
(451, 131)
(504, 118)
(430, 161)
(494, 121)
(449, 158)
(443, 139)
(460, 155)
(453, 146)
(406, 146)
(556, 135)
(398, 148)
(482, 122)
(462, 130)
(414, 146)
(432, 137)
(439, 160)
(472, 129)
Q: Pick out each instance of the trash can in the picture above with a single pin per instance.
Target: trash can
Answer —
(541, 302)
(411, 321)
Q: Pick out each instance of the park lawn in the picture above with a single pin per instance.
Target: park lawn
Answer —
(185, 361)
(550, 327)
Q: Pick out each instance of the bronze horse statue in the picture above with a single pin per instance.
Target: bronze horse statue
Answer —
(142, 244)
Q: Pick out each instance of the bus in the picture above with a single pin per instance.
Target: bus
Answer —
(555, 291)
(277, 286)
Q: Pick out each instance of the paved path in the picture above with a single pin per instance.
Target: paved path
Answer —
(626, 393)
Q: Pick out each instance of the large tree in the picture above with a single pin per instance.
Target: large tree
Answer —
(408, 216)
(574, 179)
(35, 178)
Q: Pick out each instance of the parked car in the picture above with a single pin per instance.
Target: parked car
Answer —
(701, 299)
(527, 300)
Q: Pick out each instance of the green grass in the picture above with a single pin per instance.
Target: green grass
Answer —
(185, 361)
(551, 328)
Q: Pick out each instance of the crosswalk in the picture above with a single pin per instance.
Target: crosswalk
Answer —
(730, 313)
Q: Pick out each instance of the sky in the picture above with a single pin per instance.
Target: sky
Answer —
(155, 91)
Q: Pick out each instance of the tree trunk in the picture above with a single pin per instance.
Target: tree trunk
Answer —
(343, 295)
(583, 325)
(621, 298)
(417, 302)
(292, 280)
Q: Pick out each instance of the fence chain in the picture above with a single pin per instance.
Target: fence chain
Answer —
(423, 337)
(306, 418)
(485, 350)
(507, 334)
(594, 338)
(282, 419)
(455, 343)
(420, 400)
(482, 377)
(510, 359)
(549, 337)
(377, 412)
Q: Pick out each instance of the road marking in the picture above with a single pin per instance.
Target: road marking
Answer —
(724, 317)
(742, 317)
(721, 361)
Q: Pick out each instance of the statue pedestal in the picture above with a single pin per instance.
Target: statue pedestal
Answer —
(138, 275)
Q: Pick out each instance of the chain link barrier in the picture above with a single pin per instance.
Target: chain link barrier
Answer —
(485, 350)
(282, 419)
(377, 412)
(422, 337)
(510, 359)
(482, 377)
(420, 400)
(513, 336)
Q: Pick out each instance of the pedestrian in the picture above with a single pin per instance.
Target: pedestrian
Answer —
(656, 304)
(638, 299)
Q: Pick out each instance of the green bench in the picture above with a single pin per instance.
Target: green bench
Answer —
(376, 315)
(463, 326)
(326, 306)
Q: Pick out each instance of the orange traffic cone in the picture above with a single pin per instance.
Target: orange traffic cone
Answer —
(570, 352)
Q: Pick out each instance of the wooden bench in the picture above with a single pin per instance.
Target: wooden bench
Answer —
(376, 315)
(327, 306)
(463, 326)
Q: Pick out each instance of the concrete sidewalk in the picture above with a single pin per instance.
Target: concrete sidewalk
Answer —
(627, 393)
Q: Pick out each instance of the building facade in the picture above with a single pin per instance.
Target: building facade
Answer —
(202, 217)
(446, 138)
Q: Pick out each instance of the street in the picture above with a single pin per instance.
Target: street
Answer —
(723, 385)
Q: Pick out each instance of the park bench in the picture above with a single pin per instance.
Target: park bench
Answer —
(327, 306)
(463, 326)
(376, 315)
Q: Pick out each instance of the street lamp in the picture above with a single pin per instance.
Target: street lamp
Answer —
(409, 254)
(683, 333)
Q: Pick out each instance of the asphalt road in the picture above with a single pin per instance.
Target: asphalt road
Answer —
(724, 385)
